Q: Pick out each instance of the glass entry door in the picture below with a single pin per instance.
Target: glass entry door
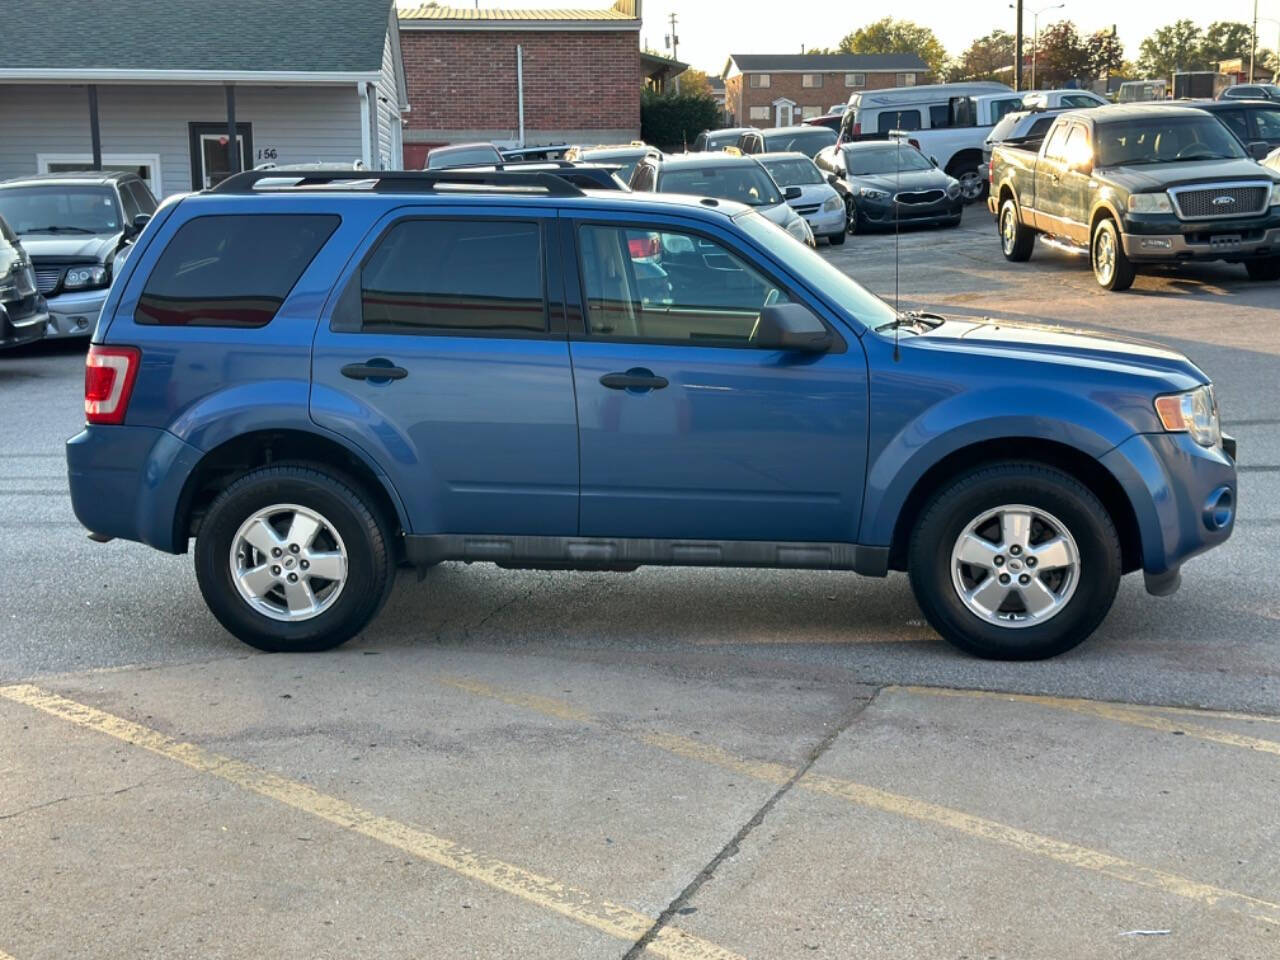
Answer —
(211, 152)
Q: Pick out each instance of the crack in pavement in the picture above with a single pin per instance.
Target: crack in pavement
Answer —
(734, 845)
(89, 796)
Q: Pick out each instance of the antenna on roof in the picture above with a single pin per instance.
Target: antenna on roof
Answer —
(897, 135)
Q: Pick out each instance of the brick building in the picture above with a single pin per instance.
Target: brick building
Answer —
(781, 89)
(581, 73)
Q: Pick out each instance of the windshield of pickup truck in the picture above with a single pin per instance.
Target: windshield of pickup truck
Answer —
(747, 183)
(1164, 140)
(59, 208)
(811, 267)
(874, 161)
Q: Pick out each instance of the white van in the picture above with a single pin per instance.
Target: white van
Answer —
(873, 113)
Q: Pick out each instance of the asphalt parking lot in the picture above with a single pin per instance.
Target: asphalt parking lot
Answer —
(675, 763)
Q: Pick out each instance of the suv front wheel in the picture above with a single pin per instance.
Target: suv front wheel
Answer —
(293, 558)
(1015, 561)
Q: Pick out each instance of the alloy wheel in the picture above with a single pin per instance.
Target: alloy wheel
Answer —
(1015, 566)
(288, 562)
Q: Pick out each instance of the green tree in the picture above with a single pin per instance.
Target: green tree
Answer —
(898, 36)
(1063, 55)
(1171, 48)
(986, 56)
(1106, 54)
(670, 121)
(1224, 40)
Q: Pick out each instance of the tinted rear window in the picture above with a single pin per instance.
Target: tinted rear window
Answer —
(455, 276)
(231, 270)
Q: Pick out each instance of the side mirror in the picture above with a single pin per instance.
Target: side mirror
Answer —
(1259, 149)
(791, 326)
(791, 193)
(934, 161)
(140, 221)
(832, 179)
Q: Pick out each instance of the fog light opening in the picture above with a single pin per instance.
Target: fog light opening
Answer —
(1219, 509)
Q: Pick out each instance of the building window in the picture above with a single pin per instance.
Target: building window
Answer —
(807, 112)
(145, 165)
(759, 80)
(759, 113)
(905, 80)
(811, 80)
(855, 79)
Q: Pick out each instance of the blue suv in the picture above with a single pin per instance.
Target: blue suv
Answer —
(321, 376)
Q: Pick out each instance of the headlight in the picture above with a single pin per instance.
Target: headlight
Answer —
(1194, 412)
(81, 278)
(953, 189)
(872, 194)
(833, 204)
(1150, 203)
(1275, 195)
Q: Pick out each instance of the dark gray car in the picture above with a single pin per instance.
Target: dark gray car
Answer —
(23, 313)
(890, 182)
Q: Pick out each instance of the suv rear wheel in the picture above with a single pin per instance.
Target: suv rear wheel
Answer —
(1016, 561)
(293, 558)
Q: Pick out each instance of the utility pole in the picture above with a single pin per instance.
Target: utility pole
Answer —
(1017, 50)
(673, 42)
(1253, 41)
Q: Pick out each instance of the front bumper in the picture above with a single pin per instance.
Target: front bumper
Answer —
(1164, 238)
(910, 214)
(1183, 496)
(826, 223)
(28, 329)
(127, 482)
(74, 314)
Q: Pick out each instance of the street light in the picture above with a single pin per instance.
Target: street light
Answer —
(1035, 36)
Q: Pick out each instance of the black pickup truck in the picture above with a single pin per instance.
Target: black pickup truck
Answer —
(1138, 184)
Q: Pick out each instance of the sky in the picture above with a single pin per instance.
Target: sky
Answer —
(710, 30)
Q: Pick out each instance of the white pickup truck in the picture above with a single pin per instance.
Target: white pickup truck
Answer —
(956, 146)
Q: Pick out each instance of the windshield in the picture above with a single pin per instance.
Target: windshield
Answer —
(874, 161)
(58, 208)
(793, 172)
(835, 285)
(439, 159)
(1164, 140)
(746, 183)
(808, 142)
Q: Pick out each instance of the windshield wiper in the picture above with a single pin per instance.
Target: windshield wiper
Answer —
(918, 320)
(57, 228)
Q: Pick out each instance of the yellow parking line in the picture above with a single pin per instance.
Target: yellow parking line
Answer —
(1112, 711)
(862, 795)
(550, 894)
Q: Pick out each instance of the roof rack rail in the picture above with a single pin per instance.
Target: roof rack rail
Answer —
(401, 181)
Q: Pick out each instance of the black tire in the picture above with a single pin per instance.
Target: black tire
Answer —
(959, 503)
(850, 214)
(836, 239)
(1263, 270)
(342, 503)
(1016, 239)
(1113, 269)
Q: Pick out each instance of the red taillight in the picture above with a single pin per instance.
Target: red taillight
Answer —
(109, 373)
